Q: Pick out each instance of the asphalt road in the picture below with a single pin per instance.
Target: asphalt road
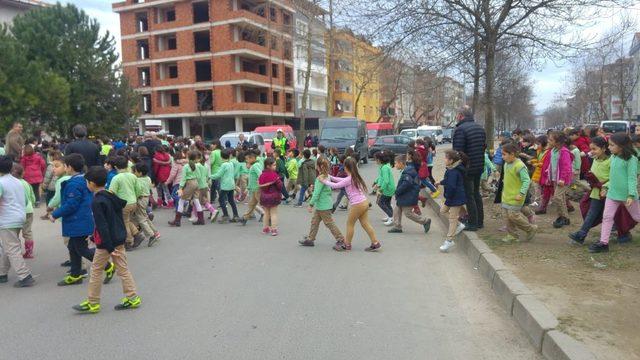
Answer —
(229, 292)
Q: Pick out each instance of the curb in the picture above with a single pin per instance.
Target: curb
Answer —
(534, 318)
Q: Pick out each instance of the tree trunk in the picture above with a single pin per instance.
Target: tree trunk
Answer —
(307, 78)
(476, 74)
(490, 59)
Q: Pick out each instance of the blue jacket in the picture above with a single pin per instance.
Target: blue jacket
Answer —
(408, 187)
(497, 157)
(110, 175)
(453, 183)
(75, 208)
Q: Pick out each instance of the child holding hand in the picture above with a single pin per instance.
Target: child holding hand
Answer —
(270, 196)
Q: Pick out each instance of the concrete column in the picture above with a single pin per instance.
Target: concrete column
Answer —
(165, 125)
(143, 128)
(239, 124)
(186, 128)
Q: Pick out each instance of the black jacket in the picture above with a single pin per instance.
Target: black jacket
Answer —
(87, 149)
(408, 187)
(470, 138)
(107, 213)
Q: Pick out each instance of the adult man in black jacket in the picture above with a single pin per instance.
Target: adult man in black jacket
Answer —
(84, 147)
(471, 139)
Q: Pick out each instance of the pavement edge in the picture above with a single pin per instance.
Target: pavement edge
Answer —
(533, 317)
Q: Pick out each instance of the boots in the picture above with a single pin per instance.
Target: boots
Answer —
(28, 249)
(200, 216)
(176, 221)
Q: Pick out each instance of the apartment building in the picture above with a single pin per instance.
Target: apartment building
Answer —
(12, 8)
(206, 67)
(634, 98)
(356, 77)
(309, 34)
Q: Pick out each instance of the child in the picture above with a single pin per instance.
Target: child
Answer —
(242, 173)
(161, 170)
(385, 186)
(557, 172)
(454, 195)
(34, 168)
(343, 193)
(202, 178)
(215, 160)
(270, 196)
(188, 191)
(292, 170)
(77, 221)
(359, 210)
(60, 174)
(489, 169)
(322, 202)
(111, 171)
(143, 191)
(255, 170)
(109, 236)
(306, 175)
(281, 169)
(27, 234)
(514, 192)
(598, 175)
(622, 188)
(541, 152)
(12, 219)
(175, 176)
(407, 197)
(124, 185)
(49, 182)
(226, 176)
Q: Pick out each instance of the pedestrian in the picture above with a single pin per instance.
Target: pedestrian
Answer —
(270, 196)
(188, 190)
(61, 175)
(454, 195)
(292, 171)
(162, 170)
(173, 181)
(202, 177)
(34, 168)
(407, 192)
(306, 176)
(514, 192)
(125, 186)
(50, 178)
(342, 193)
(255, 170)
(215, 161)
(320, 205)
(470, 138)
(111, 170)
(557, 172)
(359, 210)
(385, 186)
(87, 149)
(226, 176)
(12, 219)
(281, 169)
(622, 188)
(77, 220)
(27, 234)
(241, 174)
(143, 191)
(109, 237)
(14, 142)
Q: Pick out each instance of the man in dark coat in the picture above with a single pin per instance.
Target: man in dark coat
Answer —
(151, 142)
(14, 142)
(89, 150)
(471, 139)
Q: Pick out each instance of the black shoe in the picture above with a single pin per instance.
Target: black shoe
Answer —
(576, 238)
(395, 231)
(26, 282)
(540, 212)
(242, 221)
(427, 226)
(151, 217)
(469, 227)
(599, 247)
(306, 242)
(333, 210)
(4, 279)
(66, 263)
(560, 222)
(137, 240)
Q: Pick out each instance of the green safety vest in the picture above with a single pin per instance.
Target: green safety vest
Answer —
(280, 144)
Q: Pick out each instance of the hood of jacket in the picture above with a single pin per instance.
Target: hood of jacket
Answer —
(115, 201)
(466, 119)
(410, 170)
(458, 165)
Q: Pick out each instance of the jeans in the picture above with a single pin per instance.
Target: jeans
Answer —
(284, 191)
(384, 202)
(174, 195)
(596, 207)
(474, 200)
(341, 194)
(227, 195)
(303, 191)
(215, 190)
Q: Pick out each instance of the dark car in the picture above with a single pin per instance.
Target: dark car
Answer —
(447, 135)
(396, 143)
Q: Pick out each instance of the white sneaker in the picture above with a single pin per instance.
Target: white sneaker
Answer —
(446, 245)
(389, 222)
(459, 229)
(385, 219)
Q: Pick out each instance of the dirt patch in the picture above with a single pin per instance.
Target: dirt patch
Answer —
(596, 297)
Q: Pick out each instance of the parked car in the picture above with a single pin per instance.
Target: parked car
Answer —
(412, 133)
(251, 137)
(611, 126)
(269, 132)
(434, 132)
(447, 135)
(375, 130)
(343, 133)
(396, 143)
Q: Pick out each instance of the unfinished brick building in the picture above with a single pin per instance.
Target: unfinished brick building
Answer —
(209, 66)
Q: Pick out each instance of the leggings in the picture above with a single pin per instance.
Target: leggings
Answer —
(384, 202)
(610, 208)
(163, 192)
(359, 212)
(430, 167)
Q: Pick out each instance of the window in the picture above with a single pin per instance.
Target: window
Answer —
(173, 71)
(288, 76)
(274, 43)
(167, 42)
(174, 99)
(166, 14)
(287, 50)
(200, 12)
(263, 98)
(167, 70)
(144, 76)
(272, 14)
(205, 100)
(286, 18)
(274, 70)
(275, 98)
(288, 99)
(142, 22)
(201, 41)
(143, 49)
(203, 70)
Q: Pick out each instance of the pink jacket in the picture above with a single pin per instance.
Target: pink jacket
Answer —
(355, 195)
(34, 168)
(176, 172)
(565, 168)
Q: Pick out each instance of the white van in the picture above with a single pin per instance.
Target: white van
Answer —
(434, 132)
(412, 133)
(251, 137)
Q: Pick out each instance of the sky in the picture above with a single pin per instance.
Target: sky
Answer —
(549, 80)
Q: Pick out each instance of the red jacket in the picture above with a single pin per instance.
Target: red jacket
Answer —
(34, 168)
(582, 143)
(162, 171)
